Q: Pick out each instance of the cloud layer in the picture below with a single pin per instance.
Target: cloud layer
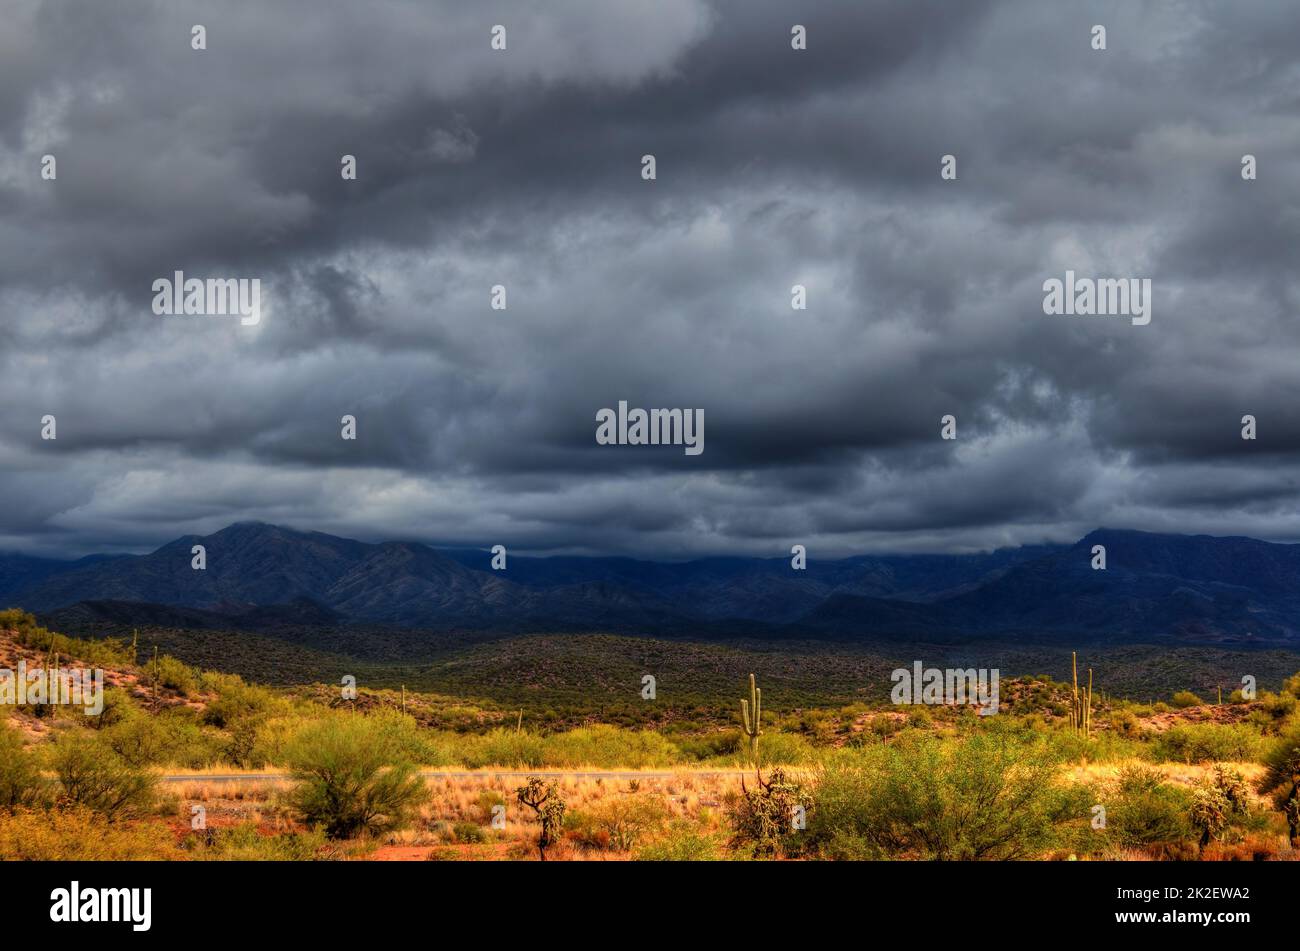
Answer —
(775, 167)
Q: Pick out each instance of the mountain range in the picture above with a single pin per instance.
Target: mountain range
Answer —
(1156, 587)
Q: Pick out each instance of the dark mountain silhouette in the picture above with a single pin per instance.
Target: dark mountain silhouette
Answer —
(1195, 589)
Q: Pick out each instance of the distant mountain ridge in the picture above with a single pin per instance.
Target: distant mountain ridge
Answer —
(1191, 589)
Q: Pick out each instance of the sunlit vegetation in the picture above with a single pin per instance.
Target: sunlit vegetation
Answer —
(1160, 777)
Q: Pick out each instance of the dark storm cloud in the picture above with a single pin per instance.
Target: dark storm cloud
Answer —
(522, 168)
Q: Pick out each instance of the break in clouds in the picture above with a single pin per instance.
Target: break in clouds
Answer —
(523, 168)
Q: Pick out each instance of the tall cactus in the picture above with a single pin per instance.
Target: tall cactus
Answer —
(155, 678)
(1081, 702)
(751, 718)
(1087, 713)
(53, 688)
(1074, 703)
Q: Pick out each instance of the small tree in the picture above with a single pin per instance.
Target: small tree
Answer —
(547, 802)
(242, 746)
(21, 783)
(91, 774)
(349, 781)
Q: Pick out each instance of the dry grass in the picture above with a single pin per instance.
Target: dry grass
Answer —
(1180, 774)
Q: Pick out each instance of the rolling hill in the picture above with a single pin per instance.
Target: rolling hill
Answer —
(1190, 589)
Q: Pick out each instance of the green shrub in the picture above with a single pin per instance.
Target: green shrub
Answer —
(1208, 742)
(80, 835)
(778, 749)
(170, 738)
(244, 843)
(236, 699)
(21, 783)
(1185, 698)
(502, 747)
(241, 748)
(619, 822)
(470, 833)
(990, 795)
(118, 705)
(711, 745)
(1101, 747)
(93, 776)
(138, 739)
(487, 800)
(1145, 810)
(683, 842)
(1278, 706)
(407, 740)
(350, 780)
(605, 746)
(174, 675)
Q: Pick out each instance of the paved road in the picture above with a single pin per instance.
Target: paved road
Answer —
(472, 773)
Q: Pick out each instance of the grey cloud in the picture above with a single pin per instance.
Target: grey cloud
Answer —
(775, 168)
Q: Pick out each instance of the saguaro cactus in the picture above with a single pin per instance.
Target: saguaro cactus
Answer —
(1081, 704)
(155, 677)
(751, 718)
(1087, 713)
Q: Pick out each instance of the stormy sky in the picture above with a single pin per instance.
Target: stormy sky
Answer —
(775, 167)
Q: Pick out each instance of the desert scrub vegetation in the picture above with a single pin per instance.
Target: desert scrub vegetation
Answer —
(21, 782)
(352, 778)
(1217, 802)
(621, 821)
(79, 834)
(1207, 742)
(105, 652)
(1104, 746)
(171, 738)
(1143, 809)
(932, 782)
(683, 841)
(548, 805)
(234, 699)
(763, 816)
(600, 746)
(92, 776)
(995, 794)
(173, 675)
(246, 843)
(1282, 778)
